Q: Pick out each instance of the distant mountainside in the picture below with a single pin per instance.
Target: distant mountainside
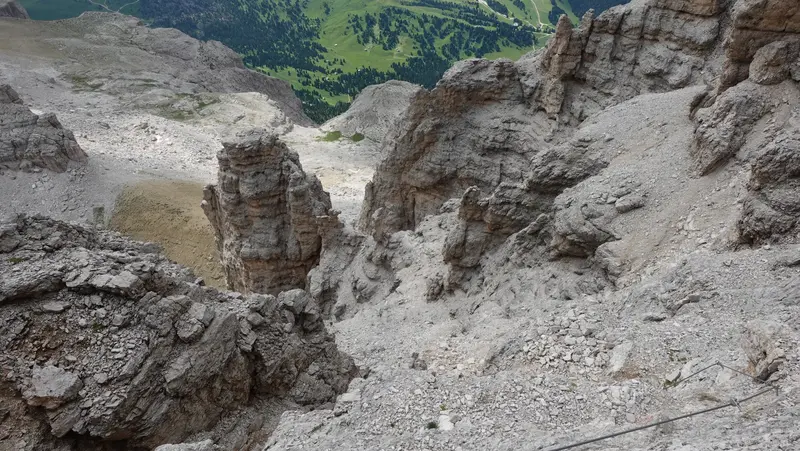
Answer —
(331, 49)
(580, 7)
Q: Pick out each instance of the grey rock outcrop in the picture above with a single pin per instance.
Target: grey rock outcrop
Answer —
(753, 115)
(268, 215)
(772, 63)
(487, 123)
(582, 215)
(762, 345)
(12, 9)
(375, 110)
(205, 445)
(487, 126)
(8, 95)
(724, 127)
(113, 369)
(486, 222)
(698, 7)
(28, 139)
(450, 139)
(756, 121)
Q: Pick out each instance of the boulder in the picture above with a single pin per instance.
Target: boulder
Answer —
(756, 24)
(51, 387)
(772, 63)
(28, 139)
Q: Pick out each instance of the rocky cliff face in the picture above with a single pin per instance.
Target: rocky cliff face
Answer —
(607, 214)
(551, 246)
(28, 139)
(457, 136)
(108, 344)
(268, 215)
(489, 126)
(755, 116)
(486, 122)
(12, 9)
(756, 25)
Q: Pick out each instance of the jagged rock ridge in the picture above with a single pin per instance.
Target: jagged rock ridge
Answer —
(28, 139)
(268, 215)
(499, 127)
(555, 243)
(105, 342)
(152, 68)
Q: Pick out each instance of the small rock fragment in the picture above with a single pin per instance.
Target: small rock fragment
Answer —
(54, 306)
(51, 386)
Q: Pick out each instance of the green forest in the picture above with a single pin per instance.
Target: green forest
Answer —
(331, 49)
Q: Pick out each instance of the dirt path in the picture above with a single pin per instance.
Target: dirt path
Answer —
(538, 15)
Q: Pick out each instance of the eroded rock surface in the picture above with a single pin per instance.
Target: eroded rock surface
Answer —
(490, 122)
(457, 136)
(578, 216)
(139, 354)
(771, 211)
(28, 139)
(500, 127)
(268, 215)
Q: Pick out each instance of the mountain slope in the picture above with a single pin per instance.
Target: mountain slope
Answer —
(331, 49)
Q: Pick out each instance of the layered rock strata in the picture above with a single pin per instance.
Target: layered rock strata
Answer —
(756, 26)
(489, 122)
(268, 215)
